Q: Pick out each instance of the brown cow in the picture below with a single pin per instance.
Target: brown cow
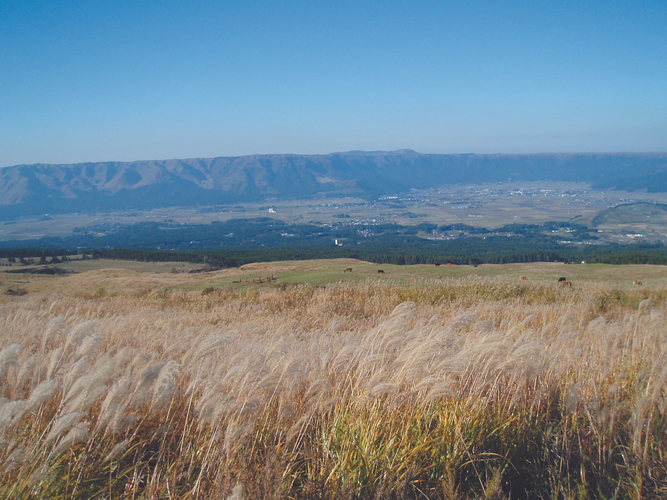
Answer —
(523, 278)
(348, 270)
(565, 283)
(637, 282)
(448, 264)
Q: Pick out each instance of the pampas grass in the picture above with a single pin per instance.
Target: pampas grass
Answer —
(471, 388)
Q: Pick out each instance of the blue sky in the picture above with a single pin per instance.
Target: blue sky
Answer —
(134, 80)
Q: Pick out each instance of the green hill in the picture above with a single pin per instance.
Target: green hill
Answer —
(632, 214)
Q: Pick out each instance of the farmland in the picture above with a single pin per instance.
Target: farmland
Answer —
(143, 380)
(481, 205)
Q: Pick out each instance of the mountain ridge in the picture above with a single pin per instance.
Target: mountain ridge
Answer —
(63, 188)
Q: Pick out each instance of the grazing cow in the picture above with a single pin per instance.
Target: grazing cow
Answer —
(637, 283)
(437, 265)
(583, 261)
(566, 262)
(380, 271)
(348, 270)
(565, 283)
(448, 264)
(562, 279)
(523, 278)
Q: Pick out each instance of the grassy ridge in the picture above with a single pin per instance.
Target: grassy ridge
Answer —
(478, 387)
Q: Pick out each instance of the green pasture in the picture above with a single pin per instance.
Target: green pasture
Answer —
(175, 275)
(325, 272)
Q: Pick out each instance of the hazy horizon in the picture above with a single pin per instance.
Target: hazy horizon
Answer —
(141, 160)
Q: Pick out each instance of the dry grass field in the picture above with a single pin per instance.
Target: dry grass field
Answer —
(422, 382)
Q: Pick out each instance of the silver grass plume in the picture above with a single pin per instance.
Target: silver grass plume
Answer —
(41, 394)
(55, 361)
(462, 321)
(270, 382)
(54, 329)
(126, 422)
(44, 473)
(143, 388)
(441, 390)
(211, 344)
(235, 434)
(288, 412)
(659, 383)
(77, 333)
(64, 423)
(425, 384)
(644, 304)
(165, 385)
(88, 388)
(250, 406)
(175, 350)
(77, 434)
(77, 370)
(11, 413)
(483, 326)
(237, 493)
(9, 356)
(638, 421)
(117, 450)
(381, 389)
(20, 456)
(115, 405)
(90, 345)
(149, 376)
(123, 357)
(214, 405)
(572, 399)
(26, 371)
(299, 427)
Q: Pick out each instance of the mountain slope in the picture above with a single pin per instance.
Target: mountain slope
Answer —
(34, 189)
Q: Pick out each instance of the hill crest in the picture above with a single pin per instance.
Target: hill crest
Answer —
(44, 188)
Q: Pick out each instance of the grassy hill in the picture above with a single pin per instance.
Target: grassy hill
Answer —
(632, 213)
(110, 277)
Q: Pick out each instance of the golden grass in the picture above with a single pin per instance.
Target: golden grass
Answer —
(93, 278)
(476, 387)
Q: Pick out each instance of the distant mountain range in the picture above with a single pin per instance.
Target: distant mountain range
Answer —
(39, 189)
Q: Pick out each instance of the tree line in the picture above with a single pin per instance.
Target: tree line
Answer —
(236, 258)
(237, 242)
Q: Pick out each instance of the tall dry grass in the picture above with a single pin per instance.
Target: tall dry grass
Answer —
(474, 388)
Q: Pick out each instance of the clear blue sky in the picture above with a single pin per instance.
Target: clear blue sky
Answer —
(133, 80)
